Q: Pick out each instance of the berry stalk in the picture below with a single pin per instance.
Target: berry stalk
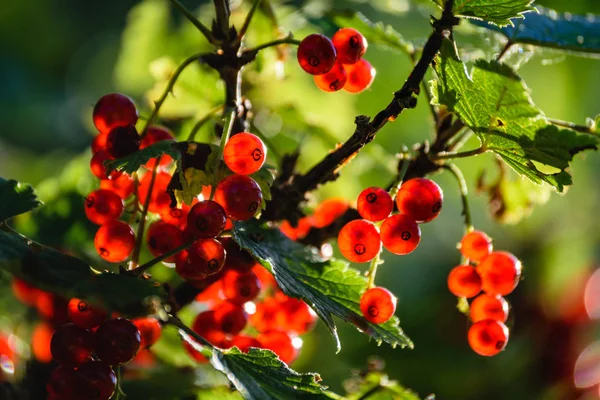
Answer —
(140, 232)
(183, 329)
(205, 31)
(464, 194)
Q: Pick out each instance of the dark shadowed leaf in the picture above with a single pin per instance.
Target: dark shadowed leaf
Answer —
(16, 198)
(132, 162)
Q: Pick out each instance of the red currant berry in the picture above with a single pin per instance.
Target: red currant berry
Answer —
(298, 232)
(316, 54)
(150, 330)
(61, 382)
(328, 211)
(333, 80)
(114, 241)
(350, 44)
(243, 343)
(97, 164)
(400, 234)
(207, 326)
(204, 257)
(487, 306)
(298, 316)
(26, 293)
(281, 343)
(41, 338)
(94, 380)
(71, 345)
(488, 337)
(206, 219)
(268, 315)
(500, 273)
(237, 258)
(464, 281)
(176, 216)
(114, 110)
(240, 287)
(121, 185)
(102, 206)
(230, 317)
(157, 134)
(117, 341)
(374, 204)
(476, 245)
(360, 76)
(84, 315)
(99, 142)
(378, 305)
(420, 198)
(240, 196)
(159, 198)
(359, 241)
(163, 238)
(122, 141)
(244, 153)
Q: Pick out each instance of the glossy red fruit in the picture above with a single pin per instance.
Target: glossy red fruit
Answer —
(176, 216)
(500, 272)
(99, 142)
(102, 206)
(97, 164)
(360, 76)
(316, 54)
(26, 293)
(333, 80)
(281, 343)
(359, 241)
(400, 234)
(240, 196)
(122, 185)
(154, 134)
(244, 153)
(268, 315)
(244, 343)
(41, 338)
(95, 380)
(350, 44)
(298, 317)
(117, 341)
(150, 330)
(296, 232)
(230, 317)
(112, 110)
(378, 305)
(237, 258)
(84, 315)
(476, 245)
(61, 383)
(162, 238)
(374, 204)
(328, 211)
(159, 198)
(420, 198)
(464, 281)
(488, 337)
(487, 306)
(207, 326)
(122, 141)
(206, 219)
(71, 345)
(203, 258)
(114, 241)
(240, 287)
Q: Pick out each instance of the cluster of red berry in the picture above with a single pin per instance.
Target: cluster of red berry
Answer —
(337, 64)
(496, 274)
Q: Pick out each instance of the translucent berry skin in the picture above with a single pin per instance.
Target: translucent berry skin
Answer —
(162, 238)
(244, 153)
(316, 54)
(298, 316)
(102, 206)
(112, 110)
(207, 326)
(464, 281)
(500, 273)
(280, 343)
(350, 44)
(176, 216)
(244, 343)
(240, 287)
(122, 141)
(150, 330)
(333, 80)
(359, 241)
(206, 219)
(71, 345)
(97, 164)
(360, 76)
(240, 196)
(488, 337)
(203, 258)
(374, 204)
(159, 198)
(487, 306)
(378, 305)
(328, 211)
(61, 382)
(230, 318)
(121, 185)
(475, 246)
(153, 135)
(420, 198)
(84, 315)
(298, 232)
(95, 380)
(99, 142)
(400, 234)
(114, 241)
(117, 341)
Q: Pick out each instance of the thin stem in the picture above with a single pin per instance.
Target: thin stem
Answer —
(146, 266)
(504, 50)
(222, 10)
(248, 19)
(463, 154)
(573, 126)
(400, 177)
(373, 270)
(206, 346)
(201, 122)
(119, 392)
(140, 232)
(460, 139)
(370, 392)
(228, 127)
(287, 40)
(464, 194)
(205, 31)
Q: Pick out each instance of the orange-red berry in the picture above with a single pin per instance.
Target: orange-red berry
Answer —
(240, 196)
(85, 315)
(350, 44)
(360, 76)
(476, 245)
(400, 234)
(113, 110)
(374, 204)
(488, 337)
(359, 241)
(487, 306)
(114, 241)
(333, 80)
(420, 198)
(464, 281)
(244, 153)
(316, 54)
(500, 272)
(378, 305)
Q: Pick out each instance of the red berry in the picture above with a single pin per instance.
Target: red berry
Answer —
(121, 185)
(333, 80)
(41, 338)
(102, 206)
(500, 273)
(203, 258)
(281, 343)
(298, 232)
(176, 216)
(99, 142)
(268, 315)
(156, 134)
(159, 198)
(487, 306)
(97, 164)
(206, 219)
(420, 198)
(71, 345)
(230, 318)
(378, 305)
(122, 141)
(26, 293)
(162, 238)
(84, 315)
(240, 287)
(207, 326)
(150, 330)
(244, 153)
(316, 54)
(400, 234)
(117, 341)
(350, 44)
(95, 380)
(374, 204)
(237, 258)
(244, 343)
(464, 281)
(488, 337)
(114, 110)
(240, 196)
(359, 241)
(114, 241)
(476, 245)
(328, 211)
(196, 355)
(298, 316)
(360, 76)
(61, 382)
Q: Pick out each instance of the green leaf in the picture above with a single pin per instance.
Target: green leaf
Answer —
(497, 12)
(132, 162)
(16, 198)
(494, 102)
(264, 177)
(219, 393)
(548, 28)
(328, 286)
(377, 386)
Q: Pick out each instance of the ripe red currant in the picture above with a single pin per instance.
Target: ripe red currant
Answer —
(97, 164)
(163, 238)
(268, 315)
(360, 76)
(298, 232)
(488, 337)
(41, 338)
(207, 326)
(240, 196)
(374, 204)
(487, 306)
(244, 153)
(99, 142)
(328, 211)
(176, 216)
(476, 245)
(298, 316)
(84, 315)
(159, 198)
(206, 219)
(121, 185)
(243, 343)
(420, 198)
(71, 345)
(281, 343)
(333, 80)
(230, 317)
(102, 206)
(316, 54)
(203, 258)
(400, 234)
(94, 380)
(150, 330)
(114, 241)
(122, 141)
(500, 272)
(237, 258)
(240, 287)
(350, 44)
(117, 341)
(112, 110)
(464, 281)
(61, 382)
(378, 305)
(359, 241)
(26, 293)
(155, 134)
